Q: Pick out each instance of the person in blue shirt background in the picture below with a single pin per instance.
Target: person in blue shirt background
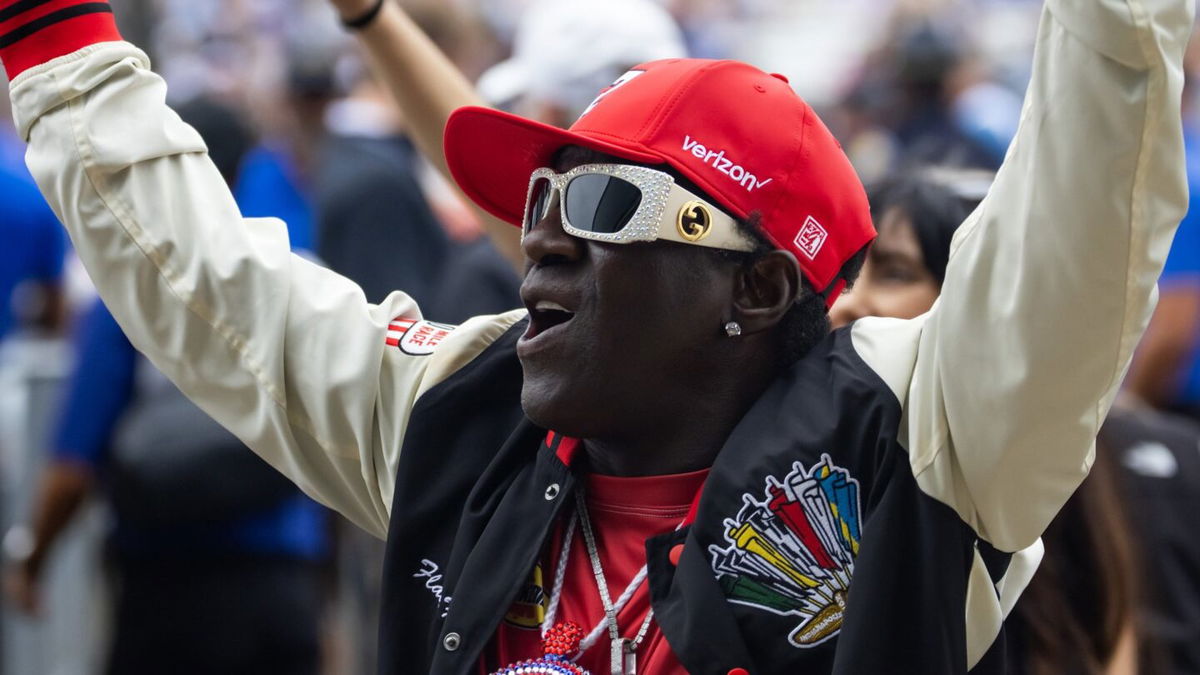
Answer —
(219, 558)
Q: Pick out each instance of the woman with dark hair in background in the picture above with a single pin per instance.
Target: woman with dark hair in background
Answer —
(1077, 615)
(915, 218)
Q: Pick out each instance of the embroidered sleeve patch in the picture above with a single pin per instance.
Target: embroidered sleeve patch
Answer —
(417, 337)
(792, 552)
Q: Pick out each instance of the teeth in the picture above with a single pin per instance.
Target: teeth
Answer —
(546, 305)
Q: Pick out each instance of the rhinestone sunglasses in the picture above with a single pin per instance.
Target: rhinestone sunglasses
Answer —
(621, 203)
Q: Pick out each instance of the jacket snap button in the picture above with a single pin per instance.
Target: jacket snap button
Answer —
(674, 553)
(452, 641)
(551, 492)
(739, 671)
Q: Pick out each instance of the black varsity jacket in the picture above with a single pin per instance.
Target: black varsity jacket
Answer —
(810, 492)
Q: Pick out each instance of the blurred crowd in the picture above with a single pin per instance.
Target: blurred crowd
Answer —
(177, 556)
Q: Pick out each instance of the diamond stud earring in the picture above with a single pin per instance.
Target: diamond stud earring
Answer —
(733, 329)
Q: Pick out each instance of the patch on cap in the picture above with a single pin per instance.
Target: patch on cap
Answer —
(811, 238)
(417, 337)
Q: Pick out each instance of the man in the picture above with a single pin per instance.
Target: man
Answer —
(862, 502)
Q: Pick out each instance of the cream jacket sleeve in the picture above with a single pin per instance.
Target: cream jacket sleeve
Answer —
(1051, 281)
(287, 355)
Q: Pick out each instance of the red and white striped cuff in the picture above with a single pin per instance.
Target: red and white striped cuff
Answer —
(35, 31)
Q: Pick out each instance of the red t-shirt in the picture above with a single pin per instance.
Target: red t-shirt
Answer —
(625, 512)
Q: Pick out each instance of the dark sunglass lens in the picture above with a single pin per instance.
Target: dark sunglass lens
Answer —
(599, 203)
(539, 201)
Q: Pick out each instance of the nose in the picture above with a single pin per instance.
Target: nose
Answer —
(547, 242)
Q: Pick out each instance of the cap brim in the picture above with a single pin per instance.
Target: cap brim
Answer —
(491, 154)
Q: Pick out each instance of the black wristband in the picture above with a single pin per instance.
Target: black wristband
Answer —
(366, 18)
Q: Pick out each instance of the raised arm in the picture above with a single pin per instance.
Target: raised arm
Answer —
(1052, 279)
(427, 87)
(287, 355)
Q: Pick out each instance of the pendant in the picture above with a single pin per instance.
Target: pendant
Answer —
(624, 657)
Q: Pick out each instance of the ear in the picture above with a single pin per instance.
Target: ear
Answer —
(765, 291)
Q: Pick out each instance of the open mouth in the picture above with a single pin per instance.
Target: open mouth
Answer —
(546, 315)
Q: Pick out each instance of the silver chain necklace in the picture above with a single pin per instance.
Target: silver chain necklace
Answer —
(623, 651)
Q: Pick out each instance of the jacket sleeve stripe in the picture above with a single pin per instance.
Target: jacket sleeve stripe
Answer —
(60, 26)
(25, 30)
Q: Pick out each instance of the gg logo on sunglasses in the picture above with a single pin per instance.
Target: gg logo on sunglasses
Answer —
(694, 221)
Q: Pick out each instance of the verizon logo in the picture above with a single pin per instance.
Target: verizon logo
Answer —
(718, 160)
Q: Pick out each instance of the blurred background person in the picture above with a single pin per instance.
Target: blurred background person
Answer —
(217, 557)
(902, 277)
(923, 97)
(384, 218)
(33, 250)
(276, 177)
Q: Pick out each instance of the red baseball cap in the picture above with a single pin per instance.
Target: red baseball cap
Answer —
(742, 135)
